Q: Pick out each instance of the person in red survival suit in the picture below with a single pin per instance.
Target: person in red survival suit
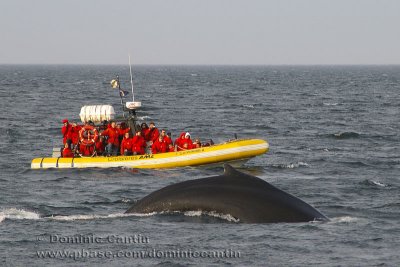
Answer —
(138, 144)
(187, 142)
(122, 130)
(178, 142)
(86, 151)
(66, 131)
(171, 148)
(112, 147)
(67, 152)
(75, 133)
(166, 138)
(159, 146)
(126, 145)
(153, 133)
(145, 130)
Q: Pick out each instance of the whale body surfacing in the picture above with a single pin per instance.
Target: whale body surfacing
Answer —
(246, 198)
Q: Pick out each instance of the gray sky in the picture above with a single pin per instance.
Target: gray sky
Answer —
(200, 32)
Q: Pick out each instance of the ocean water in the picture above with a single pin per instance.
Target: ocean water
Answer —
(334, 142)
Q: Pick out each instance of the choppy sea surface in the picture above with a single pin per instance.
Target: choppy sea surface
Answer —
(334, 142)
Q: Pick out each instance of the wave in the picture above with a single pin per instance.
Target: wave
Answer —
(142, 118)
(374, 183)
(123, 200)
(21, 214)
(291, 165)
(330, 104)
(248, 106)
(94, 216)
(379, 184)
(78, 217)
(80, 82)
(344, 219)
(199, 213)
(18, 214)
(345, 135)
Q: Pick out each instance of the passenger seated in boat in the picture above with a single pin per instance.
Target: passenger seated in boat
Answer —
(112, 147)
(138, 144)
(196, 143)
(184, 142)
(178, 142)
(100, 146)
(153, 133)
(67, 152)
(159, 146)
(86, 150)
(167, 139)
(171, 148)
(126, 145)
(187, 142)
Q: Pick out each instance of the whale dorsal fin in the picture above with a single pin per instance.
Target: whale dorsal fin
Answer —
(232, 173)
(229, 170)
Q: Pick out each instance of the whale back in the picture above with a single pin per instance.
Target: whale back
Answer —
(246, 198)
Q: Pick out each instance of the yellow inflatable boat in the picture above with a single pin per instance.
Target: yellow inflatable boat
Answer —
(236, 150)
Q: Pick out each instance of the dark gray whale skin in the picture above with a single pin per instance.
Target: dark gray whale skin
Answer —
(245, 197)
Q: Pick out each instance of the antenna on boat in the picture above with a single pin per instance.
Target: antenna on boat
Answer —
(130, 71)
(131, 107)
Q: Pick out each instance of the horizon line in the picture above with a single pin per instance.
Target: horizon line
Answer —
(202, 65)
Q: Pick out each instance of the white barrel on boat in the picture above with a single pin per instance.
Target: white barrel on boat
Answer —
(97, 113)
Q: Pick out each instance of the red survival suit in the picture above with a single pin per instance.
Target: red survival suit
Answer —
(67, 153)
(126, 145)
(159, 147)
(66, 131)
(113, 136)
(138, 145)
